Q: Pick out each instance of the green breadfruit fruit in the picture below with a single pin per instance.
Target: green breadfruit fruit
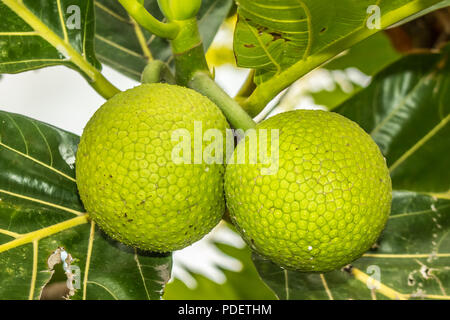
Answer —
(326, 204)
(126, 176)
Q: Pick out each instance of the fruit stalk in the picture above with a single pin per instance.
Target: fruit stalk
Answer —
(188, 50)
(157, 71)
(138, 12)
(239, 119)
(192, 71)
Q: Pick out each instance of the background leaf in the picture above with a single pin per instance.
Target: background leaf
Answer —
(38, 191)
(117, 37)
(406, 111)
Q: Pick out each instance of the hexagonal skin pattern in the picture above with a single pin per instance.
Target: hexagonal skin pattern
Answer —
(126, 177)
(327, 203)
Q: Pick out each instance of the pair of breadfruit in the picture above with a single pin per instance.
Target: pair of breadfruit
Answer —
(323, 207)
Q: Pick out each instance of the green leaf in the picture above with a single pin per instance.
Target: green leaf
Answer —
(406, 109)
(243, 285)
(285, 39)
(126, 47)
(40, 211)
(41, 33)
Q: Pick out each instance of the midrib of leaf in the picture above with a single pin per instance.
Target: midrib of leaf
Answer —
(100, 83)
(26, 238)
(266, 91)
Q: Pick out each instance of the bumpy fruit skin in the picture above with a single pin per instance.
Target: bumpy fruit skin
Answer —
(328, 202)
(126, 177)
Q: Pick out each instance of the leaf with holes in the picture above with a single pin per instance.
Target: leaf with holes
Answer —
(126, 47)
(406, 110)
(40, 211)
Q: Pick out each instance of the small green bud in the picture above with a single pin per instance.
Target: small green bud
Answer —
(180, 9)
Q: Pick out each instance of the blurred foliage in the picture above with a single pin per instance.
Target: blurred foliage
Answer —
(243, 285)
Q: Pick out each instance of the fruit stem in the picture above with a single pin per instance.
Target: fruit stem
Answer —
(138, 12)
(157, 71)
(238, 118)
(188, 50)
